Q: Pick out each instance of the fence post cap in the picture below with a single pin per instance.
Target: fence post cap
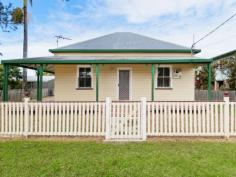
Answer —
(26, 99)
(108, 98)
(143, 98)
(226, 99)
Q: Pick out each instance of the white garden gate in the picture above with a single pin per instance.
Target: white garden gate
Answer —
(126, 121)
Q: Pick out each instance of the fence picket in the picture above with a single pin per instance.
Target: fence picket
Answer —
(182, 117)
(190, 118)
(2, 118)
(204, 118)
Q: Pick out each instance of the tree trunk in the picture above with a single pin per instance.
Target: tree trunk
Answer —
(25, 45)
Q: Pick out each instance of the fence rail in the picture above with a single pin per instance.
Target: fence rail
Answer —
(118, 120)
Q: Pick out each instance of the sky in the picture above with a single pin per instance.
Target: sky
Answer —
(177, 21)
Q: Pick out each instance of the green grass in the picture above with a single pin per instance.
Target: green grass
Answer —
(174, 159)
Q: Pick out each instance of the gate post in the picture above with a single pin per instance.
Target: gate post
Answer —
(226, 115)
(26, 110)
(143, 118)
(108, 118)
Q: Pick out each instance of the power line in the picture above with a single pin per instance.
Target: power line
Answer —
(212, 31)
(216, 42)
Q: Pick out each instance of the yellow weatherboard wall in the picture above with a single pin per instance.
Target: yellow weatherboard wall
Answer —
(66, 83)
(182, 88)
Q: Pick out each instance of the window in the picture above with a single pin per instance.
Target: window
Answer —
(163, 77)
(85, 77)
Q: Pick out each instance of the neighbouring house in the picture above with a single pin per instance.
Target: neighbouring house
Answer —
(47, 80)
(123, 65)
(48, 83)
(221, 78)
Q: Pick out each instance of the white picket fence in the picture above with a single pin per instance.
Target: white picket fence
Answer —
(186, 119)
(45, 119)
(118, 120)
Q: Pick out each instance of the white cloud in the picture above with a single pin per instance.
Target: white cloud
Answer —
(174, 20)
(138, 11)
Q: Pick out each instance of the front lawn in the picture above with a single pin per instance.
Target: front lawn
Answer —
(68, 159)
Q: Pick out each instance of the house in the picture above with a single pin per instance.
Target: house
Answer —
(123, 65)
(48, 83)
(220, 80)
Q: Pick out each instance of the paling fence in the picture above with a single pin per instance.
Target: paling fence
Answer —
(217, 95)
(118, 120)
(17, 94)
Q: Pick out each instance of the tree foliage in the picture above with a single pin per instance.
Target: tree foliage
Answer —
(201, 79)
(14, 78)
(17, 16)
(228, 67)
(9, 17)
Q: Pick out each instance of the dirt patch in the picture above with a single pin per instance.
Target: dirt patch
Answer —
(191, 139)
(53, 138)
(101, 139)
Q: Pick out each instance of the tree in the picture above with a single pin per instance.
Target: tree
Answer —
(201, 79)
(9, 17)
(14, 78)
(228, 67)
(8, 22)
(25, 40)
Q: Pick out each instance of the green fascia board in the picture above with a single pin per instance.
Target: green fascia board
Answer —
(195, 51)
(28, 67)
(225, 55)
(117, 61)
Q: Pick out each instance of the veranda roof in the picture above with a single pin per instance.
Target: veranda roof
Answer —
(226, 55)
(106, 60)
(51, 60)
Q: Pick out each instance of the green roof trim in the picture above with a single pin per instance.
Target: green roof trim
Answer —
(101, 61)
(195, 51)
(228, 54)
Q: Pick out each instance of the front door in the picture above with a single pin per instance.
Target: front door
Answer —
(124, 84)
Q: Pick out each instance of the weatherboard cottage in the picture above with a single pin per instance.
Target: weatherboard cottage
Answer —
(124, 66)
